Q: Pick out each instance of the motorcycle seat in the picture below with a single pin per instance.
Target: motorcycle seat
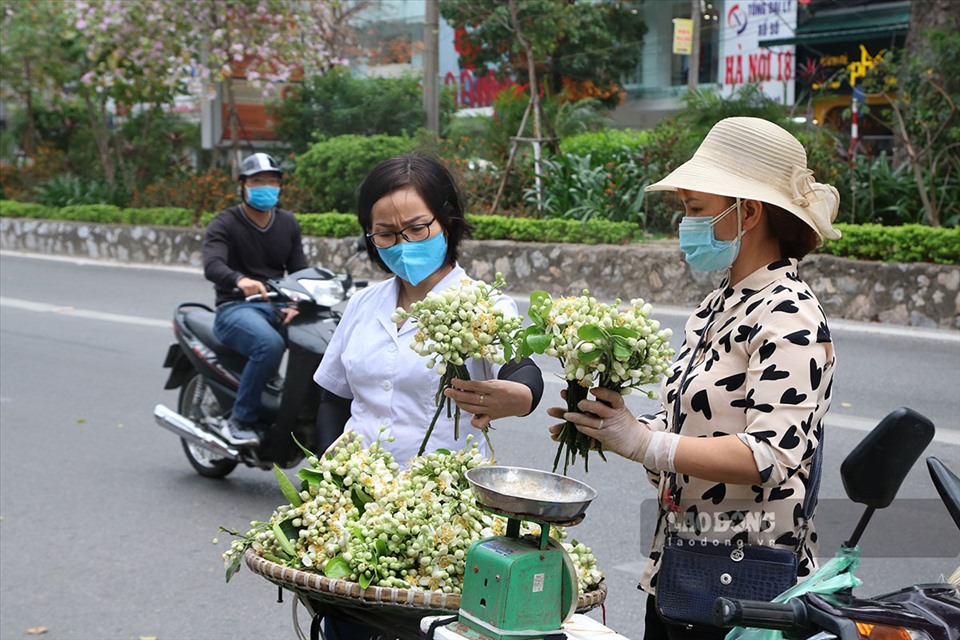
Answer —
(200, 322)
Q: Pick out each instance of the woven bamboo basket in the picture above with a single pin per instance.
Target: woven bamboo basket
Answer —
(396, 612)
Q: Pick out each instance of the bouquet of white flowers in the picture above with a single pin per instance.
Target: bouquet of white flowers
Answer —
(598, 345)
(455, 325)
(357, 516)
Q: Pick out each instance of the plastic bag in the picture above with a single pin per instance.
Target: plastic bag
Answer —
(833, 576)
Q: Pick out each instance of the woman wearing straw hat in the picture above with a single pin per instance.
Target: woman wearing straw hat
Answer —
(732, 450)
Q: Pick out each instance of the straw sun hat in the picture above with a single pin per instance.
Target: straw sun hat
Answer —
(754, 159)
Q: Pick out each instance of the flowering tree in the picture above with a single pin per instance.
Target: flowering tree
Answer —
(581, 48)
(37, 48)
(143, 53)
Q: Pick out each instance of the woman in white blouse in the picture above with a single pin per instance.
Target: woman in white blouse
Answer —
(743, 403)
(412, 214)
(372, 382)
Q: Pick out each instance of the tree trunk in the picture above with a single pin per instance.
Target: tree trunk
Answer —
(29, 141)
(925, 15)
(97, 117)
(233, 120)
(534, 99)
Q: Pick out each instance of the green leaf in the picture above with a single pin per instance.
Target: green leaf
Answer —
(507, 351)
(283, 541)
(360, 497)
(380, 546)
(590, 357)
(540, 298)
(289, 491)
(337, 567)
(306, 451)
(364, 581)
(538, 343)
(591, 332)
(621, 351)
(235, 565)
(310, 476)
(624, 332)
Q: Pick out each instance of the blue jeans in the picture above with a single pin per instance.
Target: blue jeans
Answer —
(251, 328)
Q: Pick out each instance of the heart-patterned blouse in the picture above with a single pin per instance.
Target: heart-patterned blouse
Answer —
(757, 361)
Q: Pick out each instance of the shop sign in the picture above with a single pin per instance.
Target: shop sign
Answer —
(743, 61)
(683, 36)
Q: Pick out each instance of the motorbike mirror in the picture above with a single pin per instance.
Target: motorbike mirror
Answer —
(873, 472)
(948, 486)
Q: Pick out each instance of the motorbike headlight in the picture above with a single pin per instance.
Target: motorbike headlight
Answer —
(870, 631)
(326, 293)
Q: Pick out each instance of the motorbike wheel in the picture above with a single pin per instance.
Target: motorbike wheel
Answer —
(204, 462)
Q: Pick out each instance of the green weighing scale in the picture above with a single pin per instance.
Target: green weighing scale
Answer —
(520, 587)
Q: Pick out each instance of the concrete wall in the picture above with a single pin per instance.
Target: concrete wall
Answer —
(922, 295)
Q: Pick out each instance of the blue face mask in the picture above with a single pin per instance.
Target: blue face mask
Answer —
(263, 198)
(700, 246)
(415, 261)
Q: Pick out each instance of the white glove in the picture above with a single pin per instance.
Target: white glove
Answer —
(608, 420)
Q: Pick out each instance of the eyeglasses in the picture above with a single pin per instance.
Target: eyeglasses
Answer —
(413, 233)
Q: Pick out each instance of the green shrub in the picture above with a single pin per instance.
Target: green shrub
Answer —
(66, 189)
(906, 243)
(96, 213)
(333, 169)
(15, 209)
(329, 225)
(596, 231)
(337, 103)
(609, 145)
(575, 187)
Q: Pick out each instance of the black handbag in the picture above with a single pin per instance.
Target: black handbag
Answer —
(695, 572)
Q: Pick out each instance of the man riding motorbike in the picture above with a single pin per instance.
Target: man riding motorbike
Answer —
(245, 245)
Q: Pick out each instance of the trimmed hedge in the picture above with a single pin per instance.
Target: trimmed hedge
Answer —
(98, 214)
(595, 231)
(907, 243)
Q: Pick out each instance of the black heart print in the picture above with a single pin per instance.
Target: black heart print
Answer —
(816, 374)
(772, 373)
(801, 337)
(701, 403)
(766, 350)
(732, 383)
(779, 493)
(716, 493)
(790, 440)
(787, 306)
(792, 396)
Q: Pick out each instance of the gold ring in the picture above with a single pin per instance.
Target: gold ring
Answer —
(481, 399)
(600, 426)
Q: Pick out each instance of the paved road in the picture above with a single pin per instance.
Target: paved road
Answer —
(106, 532)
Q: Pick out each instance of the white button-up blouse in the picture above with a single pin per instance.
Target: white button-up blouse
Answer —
(370, 362)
